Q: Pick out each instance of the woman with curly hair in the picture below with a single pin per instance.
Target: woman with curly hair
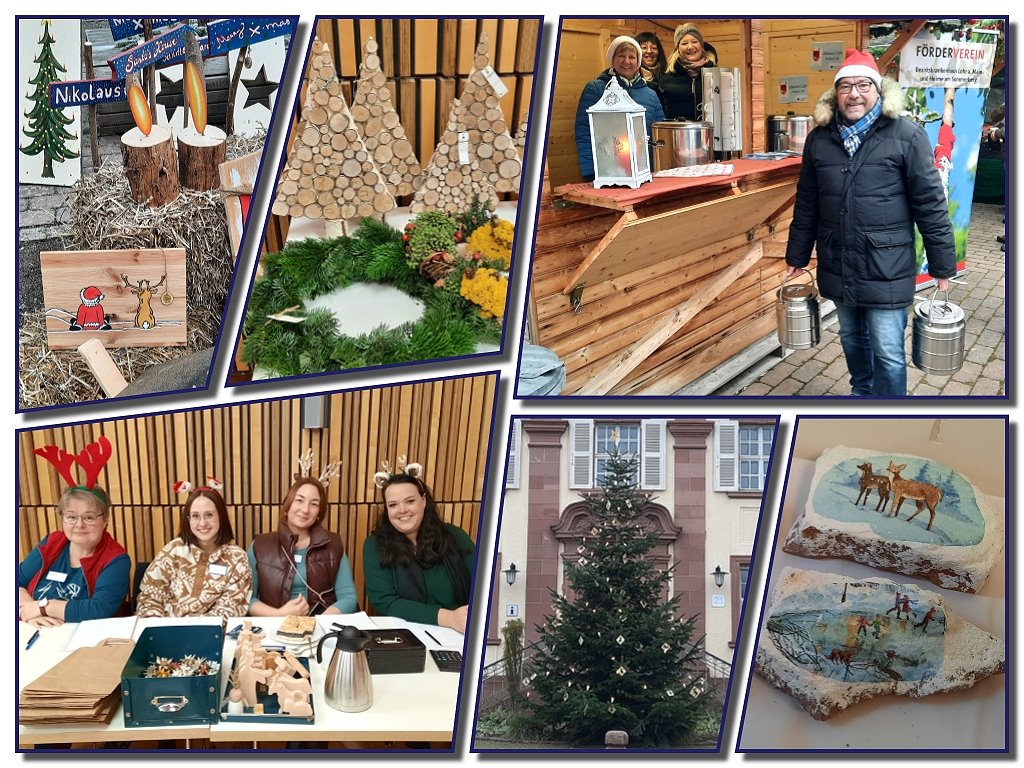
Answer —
(417, 567)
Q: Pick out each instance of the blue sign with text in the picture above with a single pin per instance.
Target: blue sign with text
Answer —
(147, 53)
(122, 28)
(230, 34)
(75, 93)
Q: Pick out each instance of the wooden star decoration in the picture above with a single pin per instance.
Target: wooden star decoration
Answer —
(259, 89)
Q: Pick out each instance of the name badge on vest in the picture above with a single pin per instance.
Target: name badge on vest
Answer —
(217, 569)
(57, 576)
(298, 558)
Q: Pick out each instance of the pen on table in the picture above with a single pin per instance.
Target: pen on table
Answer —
(432, 637)
(32, 640)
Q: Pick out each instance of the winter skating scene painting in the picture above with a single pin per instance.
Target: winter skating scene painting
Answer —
(902, 498)
(860, 632)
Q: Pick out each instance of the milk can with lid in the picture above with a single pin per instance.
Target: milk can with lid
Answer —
(940, 331)
(798, 314)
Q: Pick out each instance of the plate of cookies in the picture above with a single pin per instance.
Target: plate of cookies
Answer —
(298, 631)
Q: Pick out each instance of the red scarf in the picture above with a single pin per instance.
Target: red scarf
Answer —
(105, 552)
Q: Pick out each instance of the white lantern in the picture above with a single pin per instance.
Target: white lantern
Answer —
(618, 139)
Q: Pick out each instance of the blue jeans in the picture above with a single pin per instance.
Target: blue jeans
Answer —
(873, 342)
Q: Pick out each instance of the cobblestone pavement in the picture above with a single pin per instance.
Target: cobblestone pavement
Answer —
(822, 369)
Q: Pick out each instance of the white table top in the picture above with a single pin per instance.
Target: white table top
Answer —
(410, 707)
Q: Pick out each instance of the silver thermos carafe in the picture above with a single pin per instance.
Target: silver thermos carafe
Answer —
(349, 686)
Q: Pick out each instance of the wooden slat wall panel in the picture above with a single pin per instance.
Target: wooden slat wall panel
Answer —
(444, 425)
(426, 62)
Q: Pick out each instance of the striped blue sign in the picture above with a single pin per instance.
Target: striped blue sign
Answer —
(122, 28)
(75, 93)
(230, 34)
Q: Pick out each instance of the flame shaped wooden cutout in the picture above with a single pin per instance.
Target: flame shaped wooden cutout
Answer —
(139, 105)
(195, 82)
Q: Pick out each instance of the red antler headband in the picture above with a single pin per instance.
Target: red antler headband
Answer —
(92, 459)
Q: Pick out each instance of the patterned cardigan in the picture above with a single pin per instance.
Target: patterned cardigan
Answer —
(185, 581)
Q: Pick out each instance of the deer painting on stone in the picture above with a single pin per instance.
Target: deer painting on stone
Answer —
(144, 317)
(869, 481)
(924, 494)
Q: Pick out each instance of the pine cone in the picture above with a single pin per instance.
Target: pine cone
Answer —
(437, 265)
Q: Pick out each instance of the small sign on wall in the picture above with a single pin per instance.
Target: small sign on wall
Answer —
(826, 56)
(718, 601)
(792, 89)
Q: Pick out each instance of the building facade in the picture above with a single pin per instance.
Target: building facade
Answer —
(706, 479)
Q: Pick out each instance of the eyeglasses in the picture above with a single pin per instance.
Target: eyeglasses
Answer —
(862, 87)
(87, 520)
(205, 518)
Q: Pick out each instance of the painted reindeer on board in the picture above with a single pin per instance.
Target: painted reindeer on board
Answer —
(869, 481)
(144, 317)
(923, 493)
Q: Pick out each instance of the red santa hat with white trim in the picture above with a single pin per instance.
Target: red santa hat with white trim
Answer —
(91, 296)
(859, 64)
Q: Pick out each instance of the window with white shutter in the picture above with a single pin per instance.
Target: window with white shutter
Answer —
(514, 456)
(581, 453)
(652, 462)
(727, 443)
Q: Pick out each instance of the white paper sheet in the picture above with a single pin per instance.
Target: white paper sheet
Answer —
(90, 633)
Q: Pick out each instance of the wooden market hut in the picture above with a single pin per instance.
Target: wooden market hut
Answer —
(252, 448)
(671, 287)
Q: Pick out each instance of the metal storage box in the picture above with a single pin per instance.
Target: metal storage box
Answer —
(395, 651)
(155, 701)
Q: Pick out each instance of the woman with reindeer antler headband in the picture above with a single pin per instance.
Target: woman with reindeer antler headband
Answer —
(301, 569)
(417, 567)
(202, 572)
(78, 572)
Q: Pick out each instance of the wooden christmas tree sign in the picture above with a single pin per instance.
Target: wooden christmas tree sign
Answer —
(237, 179)
(123, 298)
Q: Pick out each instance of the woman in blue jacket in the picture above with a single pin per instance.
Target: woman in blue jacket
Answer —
(624, 56)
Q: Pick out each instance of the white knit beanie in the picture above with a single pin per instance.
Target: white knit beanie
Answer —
(620, 41)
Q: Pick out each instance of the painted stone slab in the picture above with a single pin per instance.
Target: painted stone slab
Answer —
(831, 641)
(127, 298)
(900, 513)
(49, 139)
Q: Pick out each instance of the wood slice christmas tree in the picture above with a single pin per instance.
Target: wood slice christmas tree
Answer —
(491, 143)
(520, 138)
(452, 181)
(382, 129)
(329, 174)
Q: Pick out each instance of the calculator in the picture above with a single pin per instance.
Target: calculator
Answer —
(447, 661)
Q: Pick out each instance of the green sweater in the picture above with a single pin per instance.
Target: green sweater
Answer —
(382, 586)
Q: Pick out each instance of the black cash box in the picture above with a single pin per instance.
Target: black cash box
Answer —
(395, 651)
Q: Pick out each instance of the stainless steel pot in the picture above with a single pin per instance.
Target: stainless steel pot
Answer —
(348, 685)
(776, 139)
(797, 128)
(940, 331)
(798, 315)
(679, 144)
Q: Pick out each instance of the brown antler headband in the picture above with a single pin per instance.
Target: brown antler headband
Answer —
(380, 479)
(306, 466)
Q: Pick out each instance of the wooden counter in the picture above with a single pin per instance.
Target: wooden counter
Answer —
(640, 291)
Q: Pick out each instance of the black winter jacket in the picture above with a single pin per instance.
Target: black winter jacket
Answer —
(861, 211)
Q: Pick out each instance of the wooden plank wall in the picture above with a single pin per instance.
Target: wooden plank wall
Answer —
(581, 57)
(427, 62)
(444, 425)
(787, 52)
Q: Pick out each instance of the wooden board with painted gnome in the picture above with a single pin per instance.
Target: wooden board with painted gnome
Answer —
(127, 298)
(329, 173)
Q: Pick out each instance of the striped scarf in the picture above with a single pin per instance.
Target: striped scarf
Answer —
(853, 135)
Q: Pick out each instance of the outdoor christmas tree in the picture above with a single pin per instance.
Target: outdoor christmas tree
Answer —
(46, 127)
(615, 656)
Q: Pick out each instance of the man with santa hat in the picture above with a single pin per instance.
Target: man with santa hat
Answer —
(868, 177)
(90, 315)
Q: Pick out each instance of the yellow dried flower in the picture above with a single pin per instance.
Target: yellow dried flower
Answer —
(493, 240)
(487, 289)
